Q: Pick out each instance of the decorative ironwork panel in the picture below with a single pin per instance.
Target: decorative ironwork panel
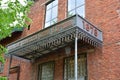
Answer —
(42, 34)
(56, 36)
(69, 68)
(46, 71)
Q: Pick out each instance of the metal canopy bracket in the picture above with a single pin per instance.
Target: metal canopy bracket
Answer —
(56, 36)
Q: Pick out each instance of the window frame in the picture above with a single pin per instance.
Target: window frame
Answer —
(76, 7)
(85, 54)
(40, 69)
(47, 3)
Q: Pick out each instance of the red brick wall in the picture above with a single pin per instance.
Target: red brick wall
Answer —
(62, 9)
(25, 69)
(103, 64)
(37, 15)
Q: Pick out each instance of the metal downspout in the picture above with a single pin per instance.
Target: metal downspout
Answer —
(10, 62)
(76, 57)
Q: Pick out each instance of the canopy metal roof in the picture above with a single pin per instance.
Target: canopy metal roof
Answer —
(56, 36)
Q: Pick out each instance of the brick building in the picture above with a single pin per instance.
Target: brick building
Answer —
(66, 37)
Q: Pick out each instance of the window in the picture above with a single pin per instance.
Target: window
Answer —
(28, 27)
(51, 13)
(76, 7)
(46, 71)
(1, 67)
(69, 68)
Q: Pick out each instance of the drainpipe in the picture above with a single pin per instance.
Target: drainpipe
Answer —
(10, 62)
(76, 57)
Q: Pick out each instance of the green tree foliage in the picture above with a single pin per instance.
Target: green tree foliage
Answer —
(13, 14)
(3, 78)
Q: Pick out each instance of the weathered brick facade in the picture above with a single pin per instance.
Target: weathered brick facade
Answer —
(102, 63)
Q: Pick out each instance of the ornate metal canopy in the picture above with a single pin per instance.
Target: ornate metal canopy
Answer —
(56, 36)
